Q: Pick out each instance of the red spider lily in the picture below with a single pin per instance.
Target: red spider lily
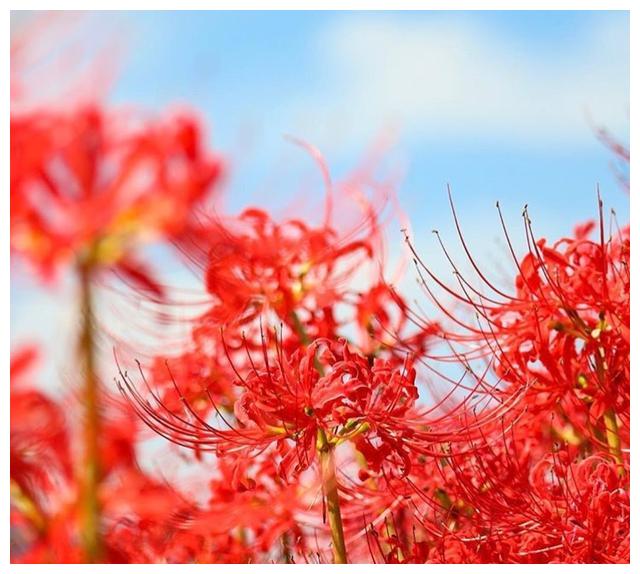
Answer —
(291, 271)
(203, 375)
(206, 381)
(40, 456)
(579, 344)
(256, 265)
(45, 486)
(564, 333)
(287, 401)
(506, 498)
(549, 510)
(90, 183)
(536, 489)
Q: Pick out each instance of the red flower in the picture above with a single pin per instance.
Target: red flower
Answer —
(384, 318)
(563, 335)
(533, 486)
(40, 456)
(92, 184)
(285, 400)
(256, 265)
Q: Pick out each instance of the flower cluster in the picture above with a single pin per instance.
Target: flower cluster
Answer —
(316, 415)
(91, 184)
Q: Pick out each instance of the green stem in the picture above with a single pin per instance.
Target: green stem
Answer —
(90, 473)
(299, 329)
(27, 506)
(327, 467)
(613, 439)
(286, 549)
(330, 487)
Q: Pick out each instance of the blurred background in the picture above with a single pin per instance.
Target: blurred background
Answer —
(502, 106)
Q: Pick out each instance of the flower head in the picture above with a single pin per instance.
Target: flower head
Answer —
(288, 400)
(91, 184)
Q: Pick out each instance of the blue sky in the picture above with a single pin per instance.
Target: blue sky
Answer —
(497, 104)
(501, 105)
(494, 103)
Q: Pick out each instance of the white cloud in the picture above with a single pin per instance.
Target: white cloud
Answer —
(448, 78)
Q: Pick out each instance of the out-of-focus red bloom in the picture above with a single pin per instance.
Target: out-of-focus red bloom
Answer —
(41, 469)
(92, 184)
(383, 321)
(256, 265)
(45, 489)
(250, 501)
(40, 457)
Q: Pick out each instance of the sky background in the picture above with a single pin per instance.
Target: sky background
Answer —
(500, 105)
(497, 104)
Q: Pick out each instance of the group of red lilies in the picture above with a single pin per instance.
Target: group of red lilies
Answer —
(329, 418)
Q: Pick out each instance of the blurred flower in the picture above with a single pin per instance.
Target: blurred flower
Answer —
(92, 184)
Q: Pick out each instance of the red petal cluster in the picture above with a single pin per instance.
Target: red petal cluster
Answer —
(329, 421)
(93, 184)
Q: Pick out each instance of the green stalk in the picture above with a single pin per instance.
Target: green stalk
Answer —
(609, 417)
(299, 329)
(21, 499)
(286, 549)
(330, 487)
(613, 439)
(90, 470)
(327, 468)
